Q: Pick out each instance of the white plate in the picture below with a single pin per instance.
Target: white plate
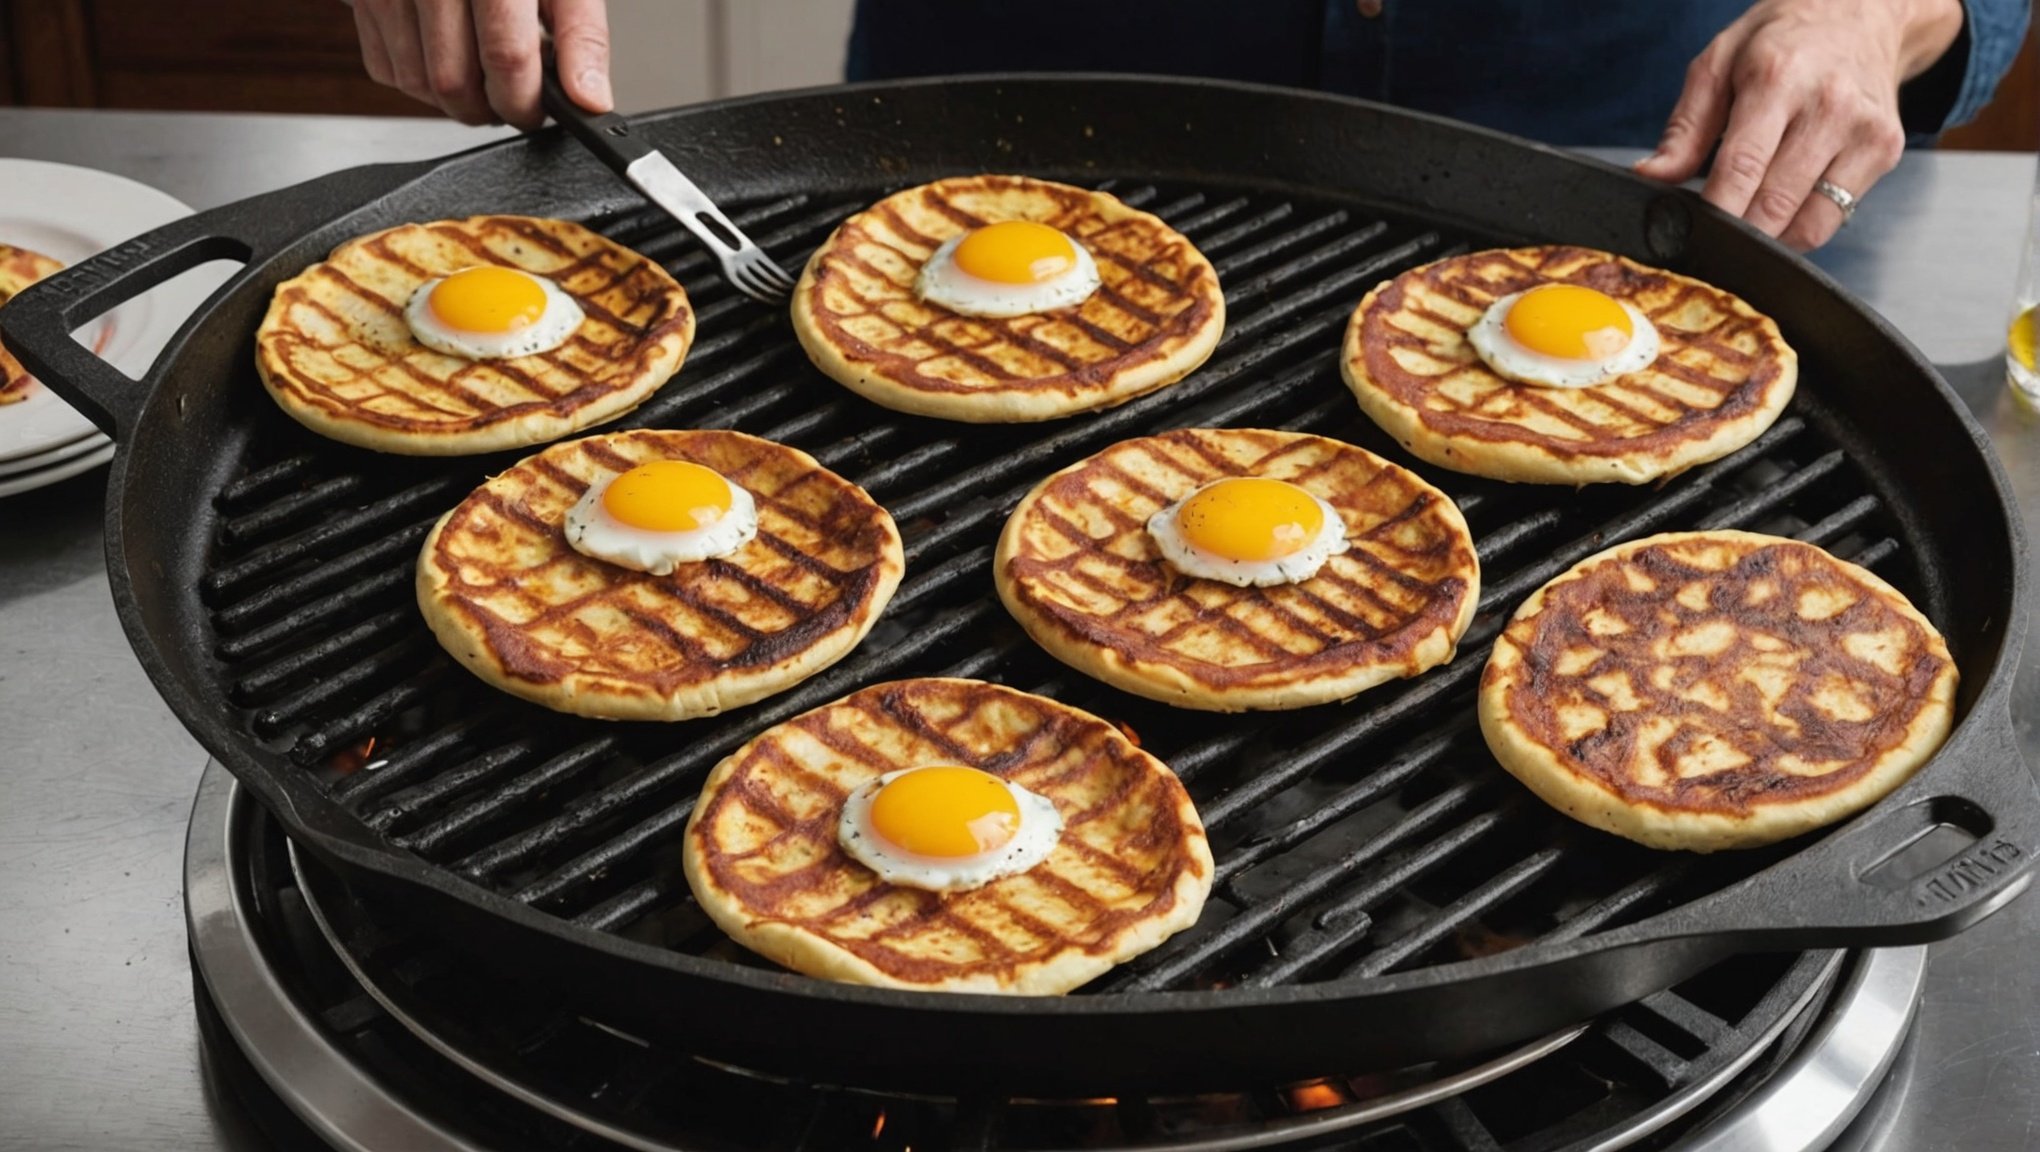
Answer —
(26, 481)
(70, 213)
(41, 460)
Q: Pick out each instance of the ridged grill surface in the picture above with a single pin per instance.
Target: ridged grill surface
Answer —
(1352, 839)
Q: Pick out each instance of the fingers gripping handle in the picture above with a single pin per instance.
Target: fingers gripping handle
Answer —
(606, 134)
(37, 324)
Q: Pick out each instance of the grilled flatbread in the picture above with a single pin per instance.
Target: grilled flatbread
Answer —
(1131, 868)
(1706, 690)
(1157, 316)
(335, 351)
(1722, 376)
(19, 268)
(510, 599)
(1076, 566)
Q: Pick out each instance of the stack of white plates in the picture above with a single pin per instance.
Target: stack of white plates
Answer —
(70, 213)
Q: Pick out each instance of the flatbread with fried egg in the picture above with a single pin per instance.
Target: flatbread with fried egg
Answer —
(336, 353)
(1721, 377)
(1156, 318)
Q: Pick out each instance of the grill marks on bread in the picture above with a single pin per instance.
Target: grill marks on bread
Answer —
(19, 268)
(1722, 675)
(335, 350)
(1722, 376)
(1078, 568)
(1131, 868)
(1156, 316)
(508, 595)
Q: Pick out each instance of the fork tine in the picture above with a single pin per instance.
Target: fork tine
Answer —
(751, 282)
(768, 276)
(744, 285)
(780, 275)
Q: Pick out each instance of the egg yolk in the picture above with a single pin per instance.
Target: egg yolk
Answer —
(1016, 252)
(946, 811)
(668, 496)
(1251, 518)
(1569, 321)
(488, 299)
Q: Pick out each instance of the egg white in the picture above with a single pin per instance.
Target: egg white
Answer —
(1166, 529)
(592, 531)
(1512, 361)
(942, 282)
(554, 326)
(1040, 827)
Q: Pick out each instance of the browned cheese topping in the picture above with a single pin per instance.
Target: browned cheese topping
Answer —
(1713, 677)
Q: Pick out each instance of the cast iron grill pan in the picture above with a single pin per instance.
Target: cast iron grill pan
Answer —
(1385, 894)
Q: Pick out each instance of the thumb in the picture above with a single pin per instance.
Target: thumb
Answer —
(1696, 122)
(580, 30)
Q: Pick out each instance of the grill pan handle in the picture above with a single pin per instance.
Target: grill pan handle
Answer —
(37, 324)
(1896, 874)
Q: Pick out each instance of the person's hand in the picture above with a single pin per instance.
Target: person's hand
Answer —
(1797, 91)
(478, 60)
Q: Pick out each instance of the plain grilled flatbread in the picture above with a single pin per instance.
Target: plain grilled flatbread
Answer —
(1706, 690)
(1722, 376)
(19, 268)
(514, 603)
(1077, 567)
(1131, 868)
(1157, 316)
(335, 351)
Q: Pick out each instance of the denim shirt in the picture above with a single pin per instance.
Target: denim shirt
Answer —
(1563, 71)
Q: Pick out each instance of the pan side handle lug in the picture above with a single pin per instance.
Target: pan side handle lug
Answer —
(37, 324)
(1949, 847)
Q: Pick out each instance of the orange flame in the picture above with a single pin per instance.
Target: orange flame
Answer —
(1315, 1096)
(348, 761)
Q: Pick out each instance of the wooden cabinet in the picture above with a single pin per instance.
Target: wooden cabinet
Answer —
(221, 55)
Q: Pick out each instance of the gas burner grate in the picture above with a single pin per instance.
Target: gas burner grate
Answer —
(1357, 839)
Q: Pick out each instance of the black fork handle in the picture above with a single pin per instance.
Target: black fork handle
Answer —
(606, 134)
(1833, 892)
(37, 324)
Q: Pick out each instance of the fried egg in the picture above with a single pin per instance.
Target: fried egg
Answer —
(946, 828)
(1011, 268)
(1564, 336)
(490, 312)
(660, 515)
(1249, 531)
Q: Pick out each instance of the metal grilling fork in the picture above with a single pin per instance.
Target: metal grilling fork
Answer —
(610, 137)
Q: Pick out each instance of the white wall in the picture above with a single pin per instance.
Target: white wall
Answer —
(668, 52)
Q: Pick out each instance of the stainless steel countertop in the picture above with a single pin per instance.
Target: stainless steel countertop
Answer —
(98, 1042)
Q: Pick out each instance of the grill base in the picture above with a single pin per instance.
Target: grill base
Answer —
(475, 1063)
